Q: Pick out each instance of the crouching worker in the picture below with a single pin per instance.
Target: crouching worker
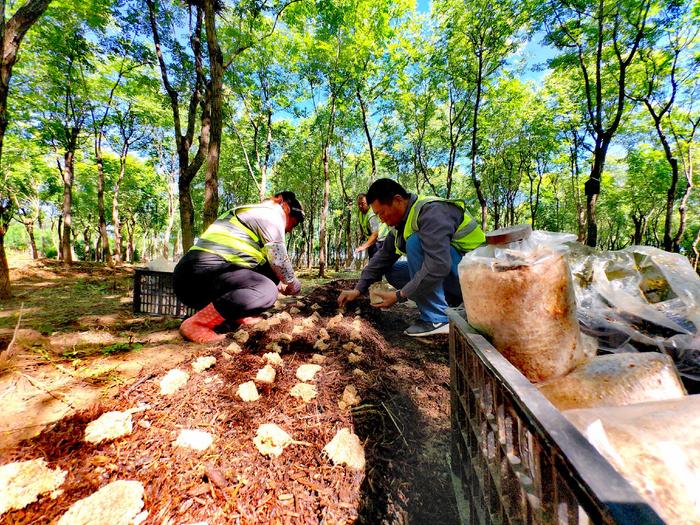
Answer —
(238, 266)
(433, 234)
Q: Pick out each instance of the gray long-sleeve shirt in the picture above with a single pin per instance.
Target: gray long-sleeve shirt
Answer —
(437, 223)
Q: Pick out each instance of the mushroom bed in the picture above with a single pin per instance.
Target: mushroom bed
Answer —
(369, 447)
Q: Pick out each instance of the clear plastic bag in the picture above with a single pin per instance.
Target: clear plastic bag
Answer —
(640, 299)
(656, 447)
(520, 294)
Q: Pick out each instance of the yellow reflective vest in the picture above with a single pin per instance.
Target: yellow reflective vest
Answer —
(232, 240)
(467, 237)
(366, 228)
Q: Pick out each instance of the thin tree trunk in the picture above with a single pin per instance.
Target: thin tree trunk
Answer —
(5, 288)
(264, 169)
(59, 234)
(68, 178)
(216, 71)
(171, 222)
(324, 214)
(86, 239)
(475, 144)
(682, 207)
(118, 254)
(130, 227)
(673, 162)
(186, 170)
(29, 226)
(367, 134)
(12, 33)
(592, 189)
(576, 190)
(101, 221)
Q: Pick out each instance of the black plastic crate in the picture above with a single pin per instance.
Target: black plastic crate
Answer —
(154, 295)
(515, 458)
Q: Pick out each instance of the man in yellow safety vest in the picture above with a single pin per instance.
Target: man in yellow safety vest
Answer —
(238, 266)
(372, 229)
(433, 234)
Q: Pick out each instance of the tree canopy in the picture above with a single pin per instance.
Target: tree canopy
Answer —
(132, 124)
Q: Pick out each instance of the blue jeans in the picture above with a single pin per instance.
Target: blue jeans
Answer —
(432, 303)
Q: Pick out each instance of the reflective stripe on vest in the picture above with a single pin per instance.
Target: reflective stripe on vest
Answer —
(232, 240)
(364, 223)
(383, 231)
(467, 237)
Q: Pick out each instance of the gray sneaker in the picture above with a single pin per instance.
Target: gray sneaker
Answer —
(424, 328)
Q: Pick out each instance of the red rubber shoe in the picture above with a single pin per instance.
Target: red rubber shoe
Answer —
(200, 327)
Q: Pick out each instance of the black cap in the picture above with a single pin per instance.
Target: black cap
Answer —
(295, 208)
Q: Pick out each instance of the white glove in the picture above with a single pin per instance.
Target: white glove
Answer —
(292, 288)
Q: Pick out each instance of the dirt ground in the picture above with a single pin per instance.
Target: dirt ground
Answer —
(80, 351)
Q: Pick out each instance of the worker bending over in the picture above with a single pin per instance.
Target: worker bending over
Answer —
(434, 234)
(237, 267)
(372, 230)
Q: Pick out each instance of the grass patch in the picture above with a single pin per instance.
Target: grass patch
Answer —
(119, 348)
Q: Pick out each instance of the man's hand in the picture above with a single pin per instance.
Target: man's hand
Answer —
(360, 249)
(291, 288)
(347, 296)
(389, 299)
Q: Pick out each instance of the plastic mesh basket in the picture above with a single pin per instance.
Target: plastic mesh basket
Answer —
(154, 295)
(515, 458)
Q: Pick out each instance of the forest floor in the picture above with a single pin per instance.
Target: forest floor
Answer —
(80, 351)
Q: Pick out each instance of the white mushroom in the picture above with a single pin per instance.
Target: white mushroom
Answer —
(271, 440)
(346, 448)
(204, 362)
(307, 372)
(194, 439)
(248, 391)
(173, 381)
(266, 375)
(304, 391)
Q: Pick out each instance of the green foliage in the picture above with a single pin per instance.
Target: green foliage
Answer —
(304, 77)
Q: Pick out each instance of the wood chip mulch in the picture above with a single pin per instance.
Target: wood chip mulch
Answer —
(232, 482)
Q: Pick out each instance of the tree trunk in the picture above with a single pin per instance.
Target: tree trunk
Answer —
(59, 234)
(264, 169)
(324, 215)
(5, 288)
(696, 242)
(118, 254)
(576, 190)
(29, 226)
(12, 33)
(87, 239)
(130, 227)
(171, 222)
(186, 170)
(68, 178)
(475, 145)
(310, 242)
(682, 207)
(186, 216)
(639, 221)
(592, 189)
(673, 162)
(105, 254)
(216, 71)
(367, 134)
